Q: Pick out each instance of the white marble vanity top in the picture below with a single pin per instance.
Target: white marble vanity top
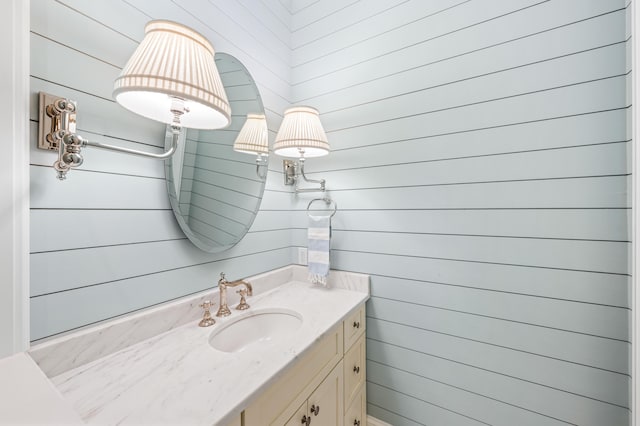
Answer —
(28, 397)
(178, 378)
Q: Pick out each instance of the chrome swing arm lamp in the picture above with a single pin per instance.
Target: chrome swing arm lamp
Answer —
(171, 78)
(61, 117)
(253, 139)
(301, 135)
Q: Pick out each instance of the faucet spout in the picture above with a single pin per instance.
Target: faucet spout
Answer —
(247, 284)
(223, 284)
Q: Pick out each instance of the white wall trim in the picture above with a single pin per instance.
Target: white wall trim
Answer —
(372, 421)
(635, 326)
(14, 175)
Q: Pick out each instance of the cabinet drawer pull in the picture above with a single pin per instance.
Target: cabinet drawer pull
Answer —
(315, 409)
(356, 422)
(356, 369)
(306, 420)
(356, 324)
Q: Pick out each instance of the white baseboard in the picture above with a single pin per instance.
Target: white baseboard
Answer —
(372, 421)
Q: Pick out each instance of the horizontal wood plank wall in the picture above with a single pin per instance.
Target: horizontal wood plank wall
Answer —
(104, 242)
(480, 162)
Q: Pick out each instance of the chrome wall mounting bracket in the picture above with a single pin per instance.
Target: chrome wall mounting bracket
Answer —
(50, 120)
(289, 169)
(294, 171)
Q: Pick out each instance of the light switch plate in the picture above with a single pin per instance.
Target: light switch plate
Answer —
(302, 255)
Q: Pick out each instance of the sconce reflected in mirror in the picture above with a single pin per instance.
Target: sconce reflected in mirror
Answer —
(254, 139)
(171, 77)
(301, 135)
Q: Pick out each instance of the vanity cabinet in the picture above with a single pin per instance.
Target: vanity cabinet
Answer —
(326, 387)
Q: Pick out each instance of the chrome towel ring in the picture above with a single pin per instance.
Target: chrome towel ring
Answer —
(328, 201)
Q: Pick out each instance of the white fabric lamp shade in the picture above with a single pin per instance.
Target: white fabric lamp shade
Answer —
(301, 130)
(254, 136)
(174, 61)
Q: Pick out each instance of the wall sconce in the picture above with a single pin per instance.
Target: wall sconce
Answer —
(254, 139)
(301, 134)
(171, 77)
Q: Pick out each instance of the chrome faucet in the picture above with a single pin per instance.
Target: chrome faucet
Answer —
(223, 310)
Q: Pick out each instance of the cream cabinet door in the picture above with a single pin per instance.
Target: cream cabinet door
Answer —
(300, 417)
(325, 406)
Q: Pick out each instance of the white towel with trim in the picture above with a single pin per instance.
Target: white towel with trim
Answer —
(319, 235)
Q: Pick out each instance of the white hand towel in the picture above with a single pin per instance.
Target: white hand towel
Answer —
(319, 235)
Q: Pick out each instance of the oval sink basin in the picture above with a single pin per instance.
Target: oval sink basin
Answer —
(258, 327)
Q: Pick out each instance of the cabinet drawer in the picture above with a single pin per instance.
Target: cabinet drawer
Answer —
(281, 400)
(354, 326)
(355, 414)
(354, 370)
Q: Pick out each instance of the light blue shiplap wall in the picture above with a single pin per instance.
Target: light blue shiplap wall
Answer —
(479, 163)
(104, 242)
(481, 167)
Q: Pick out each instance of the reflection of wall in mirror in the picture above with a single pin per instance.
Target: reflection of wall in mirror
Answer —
(217, 190)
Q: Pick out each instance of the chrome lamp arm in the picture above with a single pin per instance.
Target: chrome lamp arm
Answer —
(262, 161)
(321, 182)
(167, 154)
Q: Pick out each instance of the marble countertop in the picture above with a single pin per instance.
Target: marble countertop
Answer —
(178, 378)
(28, 397)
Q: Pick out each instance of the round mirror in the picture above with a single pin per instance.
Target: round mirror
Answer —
(215, 192)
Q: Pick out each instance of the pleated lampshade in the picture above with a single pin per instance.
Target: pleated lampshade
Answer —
(301, 130)
(254, 136)
(174, 61)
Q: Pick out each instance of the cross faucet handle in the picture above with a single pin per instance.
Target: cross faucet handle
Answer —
(206, 320)
(243, 301)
